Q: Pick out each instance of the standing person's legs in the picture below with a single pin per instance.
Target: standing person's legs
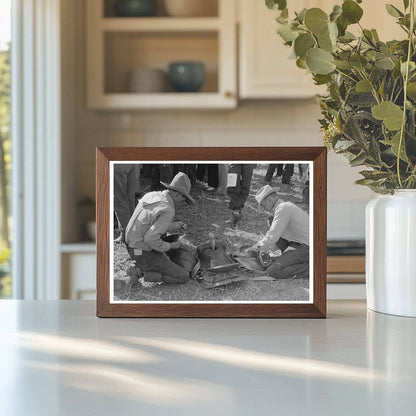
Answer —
(300, 168)
(200, 172)
(121, 195)
(233, 192)
(287, 173)
(213, 175)
(190, 170)
(269, 174)
(132, 186)
(246, 175)
(155, 175)
(279, 169)
(222, 178)
(166, 172)
(290, 263)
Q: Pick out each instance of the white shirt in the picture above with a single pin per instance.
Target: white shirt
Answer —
(290, 223)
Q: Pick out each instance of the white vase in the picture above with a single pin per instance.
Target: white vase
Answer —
(391, 253)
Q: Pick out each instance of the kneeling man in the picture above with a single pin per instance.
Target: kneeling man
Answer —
(152, 218)
(289, 231)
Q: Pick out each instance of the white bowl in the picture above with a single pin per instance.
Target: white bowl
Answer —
(147, 80)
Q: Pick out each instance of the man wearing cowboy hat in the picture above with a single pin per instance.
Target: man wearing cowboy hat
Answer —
(289, 231)
(152, 218)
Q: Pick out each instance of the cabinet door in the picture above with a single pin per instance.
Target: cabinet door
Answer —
(265, 68)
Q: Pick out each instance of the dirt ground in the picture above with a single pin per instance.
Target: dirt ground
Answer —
(209, 215)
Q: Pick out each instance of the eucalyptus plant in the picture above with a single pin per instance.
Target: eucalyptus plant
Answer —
(369, 112)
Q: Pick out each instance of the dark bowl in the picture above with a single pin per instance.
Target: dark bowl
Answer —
(136, 8)
(186, 76)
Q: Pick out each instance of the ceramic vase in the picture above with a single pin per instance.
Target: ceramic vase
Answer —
(136, 8)
(391, 253)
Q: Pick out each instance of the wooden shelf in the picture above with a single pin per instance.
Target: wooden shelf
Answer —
(159, 24)
(163, 101)
(116, 46)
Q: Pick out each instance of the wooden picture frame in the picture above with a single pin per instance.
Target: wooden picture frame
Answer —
(314, 308)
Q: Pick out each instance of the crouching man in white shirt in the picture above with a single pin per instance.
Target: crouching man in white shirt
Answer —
(289, 231)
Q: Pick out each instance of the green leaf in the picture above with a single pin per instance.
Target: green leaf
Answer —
(276, 4)
(319, 61)
(363, 86)
(342, 25)
(351, 11)
(358, 160)
(321, 79)
(374, 150)
(303, 43)
(406, 4)
(301, 63)
(390, 113)
(316, 20)
(385, 63)
(347, 37)
(375, 35)
(375, 175)
(324, 42)
(393, 11)
(412, 67)
(286, 32)
(336, 12)
(343, 65)
(358, 61)
(300, 17)
(394, 145)
(343, 145)
(364, 181)
(411, 90)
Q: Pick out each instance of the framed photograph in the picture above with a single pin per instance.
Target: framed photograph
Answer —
(211, 232)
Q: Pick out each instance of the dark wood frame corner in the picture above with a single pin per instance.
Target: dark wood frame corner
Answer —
(317, 309)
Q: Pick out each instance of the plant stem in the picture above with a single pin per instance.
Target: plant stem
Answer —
(406, 79)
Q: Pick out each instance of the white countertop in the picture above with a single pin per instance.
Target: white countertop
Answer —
(58, 359)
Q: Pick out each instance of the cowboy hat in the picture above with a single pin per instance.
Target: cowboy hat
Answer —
(264, 192)
(180, 183)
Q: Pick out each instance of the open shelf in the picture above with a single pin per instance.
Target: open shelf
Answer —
(127, 51)
(116, 46)
(211, 9)
(160, 24)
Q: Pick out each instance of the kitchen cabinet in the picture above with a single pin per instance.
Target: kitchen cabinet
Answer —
(265, 70)
(118, 45)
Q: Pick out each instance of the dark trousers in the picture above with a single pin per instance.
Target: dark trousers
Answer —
(161, 172)
(213, 176)
(270, 171)
(291, 263)
(285, 171)
(201, 172)
(238, 194)
(156, 261)
(126, 178)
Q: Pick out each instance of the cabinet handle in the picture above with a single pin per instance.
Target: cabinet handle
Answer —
(228, 94)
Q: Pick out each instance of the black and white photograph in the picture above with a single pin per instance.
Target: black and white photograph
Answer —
(211, 232)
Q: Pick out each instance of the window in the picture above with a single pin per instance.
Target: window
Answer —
(5, 147)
